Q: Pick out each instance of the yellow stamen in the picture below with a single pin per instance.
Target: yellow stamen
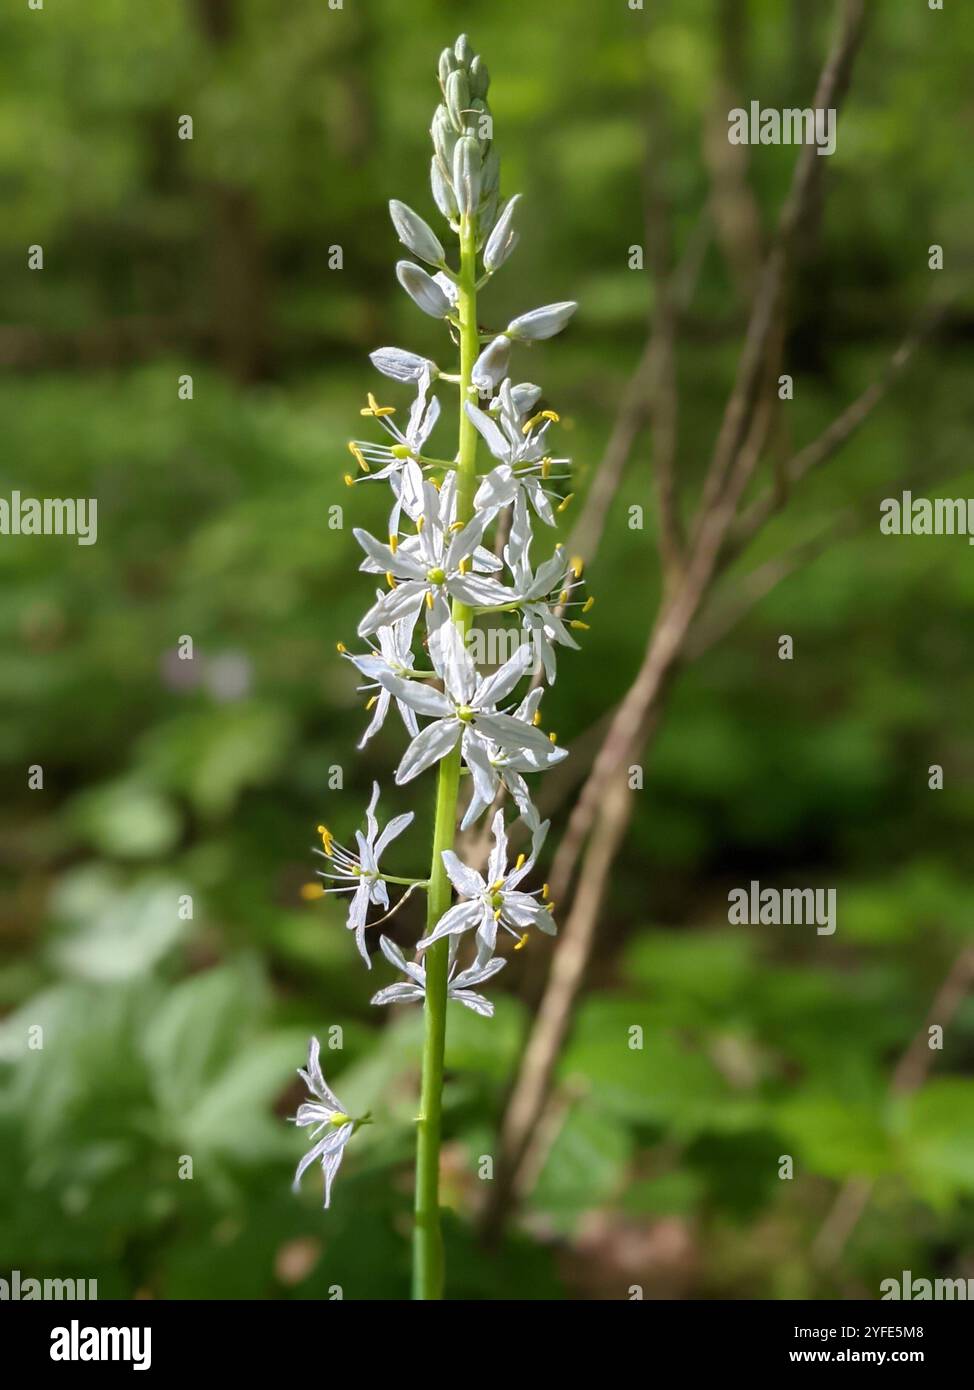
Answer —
(546, 468)
(578, 625)
(497, 914)
(520, 861)
(563, 596)
(545, 891)
(577, 565)
(587, 605)
(536, 718)
(420, 522)
(393, 543)
(464, 565)
(357, 455)
(349, 480)
(311, 891)
(496, 887)
(529, 425)
(565, 502)
(369, 703)
(522, 942)
(553, 737)
(375, 409)
(390, 579)
(550, 415)
(457, 525)
(341, 648)
(327, 839)
(429, 598)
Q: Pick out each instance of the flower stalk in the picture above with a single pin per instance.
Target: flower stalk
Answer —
(435, 576)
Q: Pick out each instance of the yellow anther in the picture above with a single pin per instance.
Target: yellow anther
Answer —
(563, 596)
(371, 702)
(536, 718)
(341, 648)
(578, 625)
(327, 839)
(589, 602)
(311, 891)
(420, 522)
(546, 468)
(521, 860)
(529, 425)
(565, 502)
(357, 455)
(545, 891)
(496, 887)
(390, 579)
(497, 914)
(464, 566)
(550, 415)
(374, 408)
(553, 737)
(577, 565)
(429, 598)
(349, 480)
(457, 525)
(393, 543)
(523, 941)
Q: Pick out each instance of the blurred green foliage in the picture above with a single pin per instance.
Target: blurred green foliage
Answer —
(166, 1036)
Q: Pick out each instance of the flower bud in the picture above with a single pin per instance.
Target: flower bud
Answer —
(491, 366)
(479, 77)
(422, 290)
(401, 365)
(444, 139)
(414, 234)
(466, 174)
(446, 65)
(503, 238)
(541, 323)
(525, 397)
(457, 98)
(442, 192)
(463, 49)
(492, 173)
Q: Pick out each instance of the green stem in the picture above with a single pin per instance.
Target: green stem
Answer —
(427, 1236)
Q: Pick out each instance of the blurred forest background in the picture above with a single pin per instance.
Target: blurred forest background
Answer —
(166, 1037)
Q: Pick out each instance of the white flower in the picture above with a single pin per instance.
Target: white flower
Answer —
(458, 988)
(327, 1115)
(520, 445)
(496, 900)
(467, 709)
(359, 874)
(534, 592)
(438, 561)
(394, 654)
(492, 766)
(381, 461)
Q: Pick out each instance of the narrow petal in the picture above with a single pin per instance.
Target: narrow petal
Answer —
(429, 745)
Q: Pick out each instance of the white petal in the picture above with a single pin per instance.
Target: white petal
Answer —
(431, 744)
(464, 879)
